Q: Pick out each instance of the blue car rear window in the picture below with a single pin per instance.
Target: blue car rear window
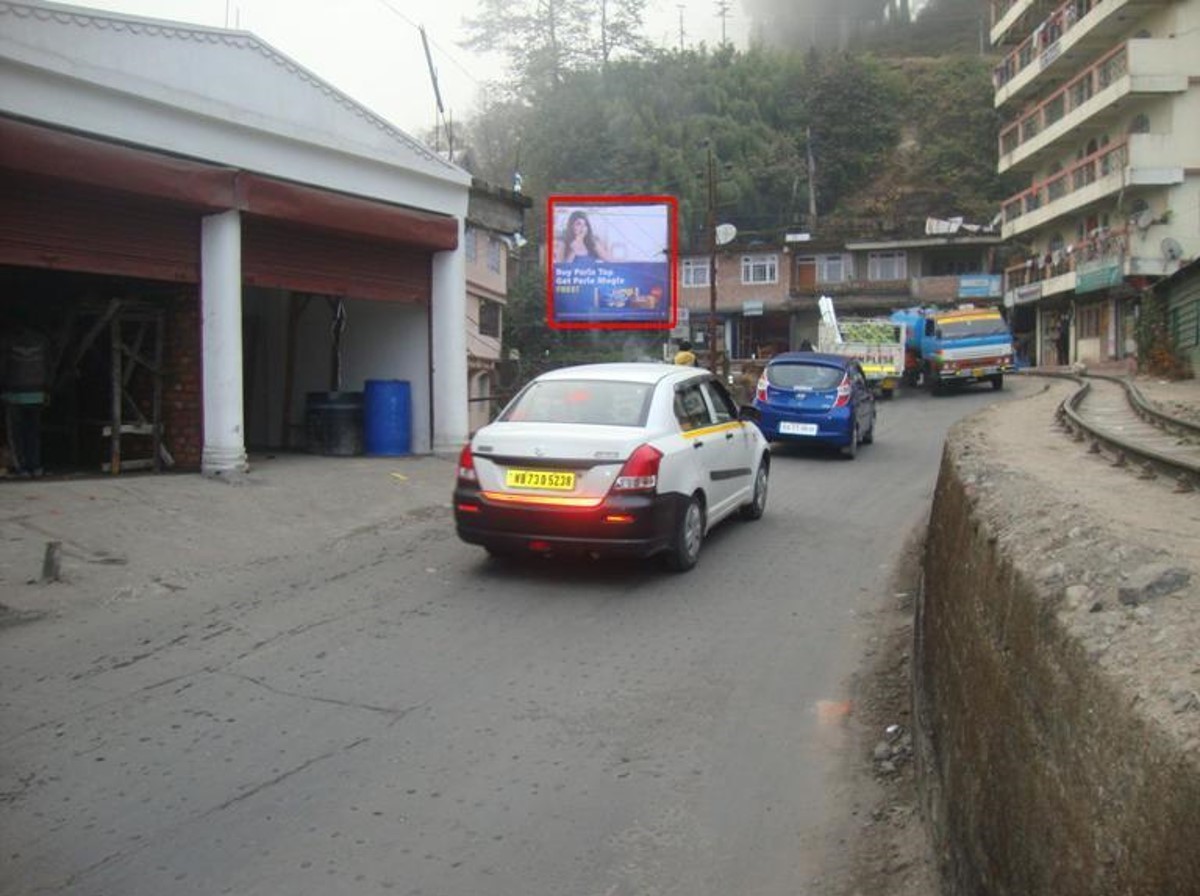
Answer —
(804, 376)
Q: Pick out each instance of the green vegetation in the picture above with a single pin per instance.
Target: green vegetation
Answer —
(892, 137)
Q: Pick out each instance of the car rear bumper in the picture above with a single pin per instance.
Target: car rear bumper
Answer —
(626, 526)
(832, 429)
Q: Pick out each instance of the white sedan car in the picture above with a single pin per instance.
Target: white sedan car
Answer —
(612, 459)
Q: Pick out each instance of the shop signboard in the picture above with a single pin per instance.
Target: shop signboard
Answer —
(979, 286)
(1102, 273)
(1023, 295)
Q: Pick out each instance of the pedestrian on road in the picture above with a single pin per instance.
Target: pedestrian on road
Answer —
(1062, 340)
(685, 356)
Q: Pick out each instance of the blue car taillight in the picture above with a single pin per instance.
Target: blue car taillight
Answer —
(844, 391)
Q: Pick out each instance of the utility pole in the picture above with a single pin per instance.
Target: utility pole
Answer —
(711, 228)
(680, 7)
(722, 12)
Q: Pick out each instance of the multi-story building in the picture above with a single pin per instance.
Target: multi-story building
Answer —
(1101, 111)
(495, 219)
(751, 293)
(766, 297)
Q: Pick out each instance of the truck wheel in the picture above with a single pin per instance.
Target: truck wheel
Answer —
(998, 382)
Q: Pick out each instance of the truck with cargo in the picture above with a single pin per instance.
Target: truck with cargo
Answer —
(948, 347)
(876, 343)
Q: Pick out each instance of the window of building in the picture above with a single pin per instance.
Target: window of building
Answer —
(831, 268)
(489, 318)
(887, 266)
(1087, 322)
(953, 267)
(493, 261)
(469, 239)
(760, 269)
(1140, 124)
(694, 272)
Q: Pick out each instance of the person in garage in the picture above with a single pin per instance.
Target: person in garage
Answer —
(24, 385)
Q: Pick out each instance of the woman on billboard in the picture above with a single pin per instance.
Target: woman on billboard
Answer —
(579, 242)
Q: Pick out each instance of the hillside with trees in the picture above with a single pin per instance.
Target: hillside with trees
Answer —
(873, 138)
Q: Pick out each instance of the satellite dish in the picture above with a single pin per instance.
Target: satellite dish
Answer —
(1143, 219)
(1171, 249)
(725, 233)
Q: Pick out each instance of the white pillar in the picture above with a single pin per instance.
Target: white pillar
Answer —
(449, 349)
(221, 328)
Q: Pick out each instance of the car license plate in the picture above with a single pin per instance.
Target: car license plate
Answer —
(548, 479)
(977, 372)
(788, 428)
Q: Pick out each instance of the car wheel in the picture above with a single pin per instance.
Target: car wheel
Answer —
(689, 533)
(758, 503)
(998, 382)
(851, 451)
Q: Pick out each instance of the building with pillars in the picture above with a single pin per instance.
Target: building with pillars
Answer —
(212, 235)
(1100, 101)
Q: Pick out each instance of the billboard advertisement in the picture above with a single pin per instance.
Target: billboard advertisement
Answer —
(612, 262)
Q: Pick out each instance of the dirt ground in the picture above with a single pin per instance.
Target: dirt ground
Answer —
(1092, 530)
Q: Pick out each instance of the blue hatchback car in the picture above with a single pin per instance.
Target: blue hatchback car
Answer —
(816, 398)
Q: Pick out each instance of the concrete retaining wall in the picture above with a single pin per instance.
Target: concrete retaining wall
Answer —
(1042, 773)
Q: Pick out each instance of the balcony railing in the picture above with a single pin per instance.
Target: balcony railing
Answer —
(1105, 243)
(1044, 37)
(1105, 161)
(1108, 69)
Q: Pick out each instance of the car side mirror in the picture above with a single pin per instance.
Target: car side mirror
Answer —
(748, 412)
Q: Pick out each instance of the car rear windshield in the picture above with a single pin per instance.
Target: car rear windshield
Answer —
(590, 402)
(804, 376)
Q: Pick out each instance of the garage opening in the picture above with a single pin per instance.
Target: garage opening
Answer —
(122, 370)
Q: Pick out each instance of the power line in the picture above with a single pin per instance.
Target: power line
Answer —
(442, 50)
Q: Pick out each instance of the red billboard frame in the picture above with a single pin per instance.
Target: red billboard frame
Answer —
(671, 204)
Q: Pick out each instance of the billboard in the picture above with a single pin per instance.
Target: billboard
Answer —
(612, 262)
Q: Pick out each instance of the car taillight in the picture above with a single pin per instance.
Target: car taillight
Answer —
(760, 391)
(844, 390)
(466, 465)
(640, 473)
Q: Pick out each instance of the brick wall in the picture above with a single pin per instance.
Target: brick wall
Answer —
(183, 393)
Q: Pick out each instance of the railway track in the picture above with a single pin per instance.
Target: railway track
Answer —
(1115, 419)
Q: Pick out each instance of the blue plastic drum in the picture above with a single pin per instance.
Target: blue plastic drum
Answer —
(387, 417)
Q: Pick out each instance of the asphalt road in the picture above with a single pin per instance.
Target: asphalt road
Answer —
(394, 712)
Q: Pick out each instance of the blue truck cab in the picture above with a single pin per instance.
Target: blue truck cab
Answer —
(949, 347)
